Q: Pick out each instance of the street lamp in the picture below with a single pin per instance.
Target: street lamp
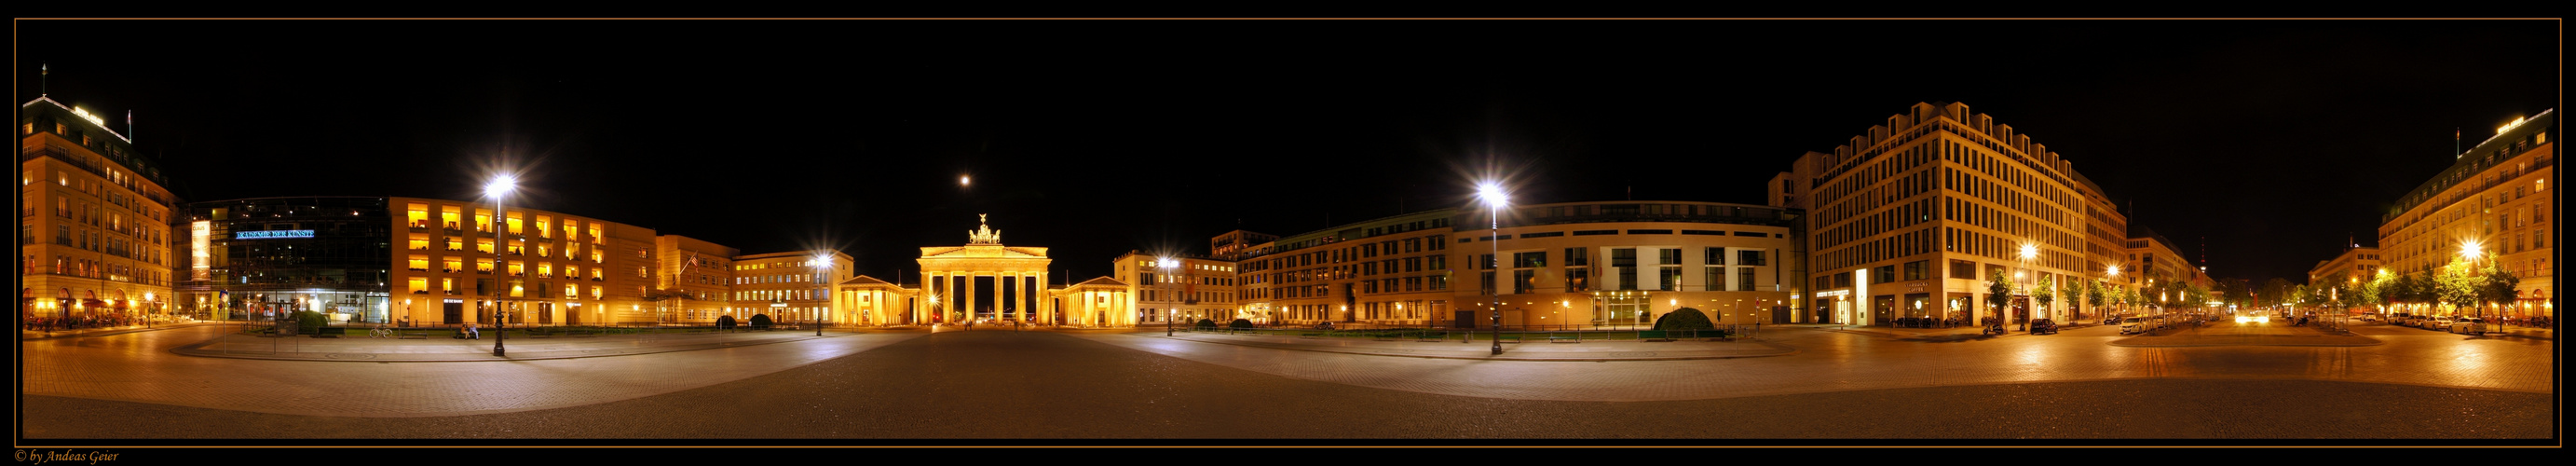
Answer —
(2469, 253)
(499, 189)
(1166, 264)
(2028, 251)
(1495, 199)
(822, 277)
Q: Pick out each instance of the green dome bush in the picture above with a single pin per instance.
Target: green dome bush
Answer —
(1684, 319)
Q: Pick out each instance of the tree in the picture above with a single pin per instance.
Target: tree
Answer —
(2093, 294)
(2276, 292)
(2499, 286)
(1997, 289)
(2459, 286)
(2373, 292)
(2045, 291)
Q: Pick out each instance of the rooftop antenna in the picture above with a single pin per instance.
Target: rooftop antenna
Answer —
(2455, 142)
(45, 75)
(129, 126)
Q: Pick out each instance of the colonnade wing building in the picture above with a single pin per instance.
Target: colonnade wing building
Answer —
(1911, 218)
(2497, 196)
(94, 227)
(1547, 265)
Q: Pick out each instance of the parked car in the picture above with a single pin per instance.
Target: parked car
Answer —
(2043, 327)
(1324, 326)
(2129, 325)
(2468, 325)
(2437, 323)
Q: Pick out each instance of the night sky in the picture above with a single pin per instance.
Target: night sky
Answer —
(2273, 140)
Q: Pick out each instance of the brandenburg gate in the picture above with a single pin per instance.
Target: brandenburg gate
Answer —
(949, 275)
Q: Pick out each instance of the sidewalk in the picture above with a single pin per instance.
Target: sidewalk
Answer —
(1482, 349)
(24, 335)
(441, 348)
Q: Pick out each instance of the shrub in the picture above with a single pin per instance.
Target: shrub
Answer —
(725, 322)
(1204, 323)
(309, 322)
(1684, 319)
(1239, 323)
(760, 321)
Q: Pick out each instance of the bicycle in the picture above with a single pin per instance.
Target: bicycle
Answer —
(380, 332)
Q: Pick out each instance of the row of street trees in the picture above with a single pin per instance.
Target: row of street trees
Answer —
(2096, 295)
(2459, 288)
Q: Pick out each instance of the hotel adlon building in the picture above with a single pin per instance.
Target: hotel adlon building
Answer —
(94, 230)
(1911, 218)
(2496, 196)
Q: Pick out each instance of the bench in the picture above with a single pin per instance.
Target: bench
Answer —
(1563, 338)
(1654, 335)
(1511, 338)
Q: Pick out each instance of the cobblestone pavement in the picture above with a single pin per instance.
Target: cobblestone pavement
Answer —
(1002, 384)
(142, 367)
(1045, 388)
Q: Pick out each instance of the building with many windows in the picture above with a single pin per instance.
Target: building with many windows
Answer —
(2494, 200)
(694, 281)
(1392, 270)
(1623, 263)
(1912, 218)
(789, 286)
(325, 254)
(94, 233)
(1192, 288)
(547, 267)
(2356, 263)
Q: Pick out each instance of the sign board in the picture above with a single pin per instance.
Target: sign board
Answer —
(271, 234)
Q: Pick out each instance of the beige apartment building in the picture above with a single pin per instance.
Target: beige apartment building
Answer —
(94, 231)
(1912, 217)
(2496, 200)
(693, 280)
(1193, 288)
(2355, 264)
(549, 267)
(789, 287)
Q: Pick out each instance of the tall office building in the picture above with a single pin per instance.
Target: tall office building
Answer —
(1911, 218)
(94, 231)
(2494, 199)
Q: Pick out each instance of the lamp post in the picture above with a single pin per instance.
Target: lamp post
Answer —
(1166, 264)
(498, 189)
(1495, 200)
(2469, 253)
(2028, 251)
(822, 275)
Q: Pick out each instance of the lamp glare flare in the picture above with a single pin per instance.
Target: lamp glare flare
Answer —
(500, 186)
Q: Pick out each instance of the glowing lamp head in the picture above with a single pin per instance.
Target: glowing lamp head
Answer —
(964, 180)
(2469, 250)
(1492, 194)
(2029, 251)
(500, 186)
(1166, 263)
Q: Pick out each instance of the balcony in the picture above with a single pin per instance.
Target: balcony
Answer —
(417, 225)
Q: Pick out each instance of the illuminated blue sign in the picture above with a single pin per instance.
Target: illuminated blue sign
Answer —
(272, 234)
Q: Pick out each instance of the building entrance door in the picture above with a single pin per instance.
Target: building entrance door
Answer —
(455, 312)
(545, 313)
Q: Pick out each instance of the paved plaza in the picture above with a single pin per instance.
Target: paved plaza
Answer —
(2223, 381)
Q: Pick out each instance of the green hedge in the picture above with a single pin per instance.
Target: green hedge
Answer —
(1684, 319)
